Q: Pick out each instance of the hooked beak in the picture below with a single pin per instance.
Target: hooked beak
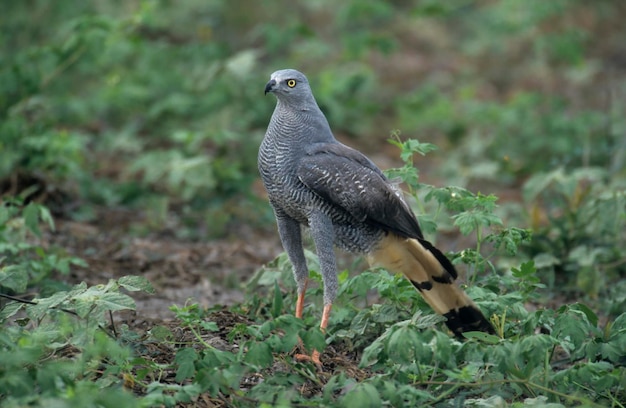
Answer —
(269, 87)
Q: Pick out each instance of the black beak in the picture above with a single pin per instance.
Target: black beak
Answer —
(269, 87)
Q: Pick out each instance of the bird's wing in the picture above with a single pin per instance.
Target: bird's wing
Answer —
(349, 180)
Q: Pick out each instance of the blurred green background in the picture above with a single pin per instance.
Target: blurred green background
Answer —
(158, 106)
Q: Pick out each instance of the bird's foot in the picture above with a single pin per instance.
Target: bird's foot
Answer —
(314, 357)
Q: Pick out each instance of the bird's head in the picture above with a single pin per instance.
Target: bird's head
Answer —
(289, 85)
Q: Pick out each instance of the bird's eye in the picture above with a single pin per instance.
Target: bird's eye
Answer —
(291, 83)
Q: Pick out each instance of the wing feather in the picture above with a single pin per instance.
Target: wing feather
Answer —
(347, 179)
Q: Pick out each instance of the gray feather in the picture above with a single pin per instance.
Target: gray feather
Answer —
(313, 180)
(308, 174)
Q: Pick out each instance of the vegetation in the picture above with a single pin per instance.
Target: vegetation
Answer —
(155, 108)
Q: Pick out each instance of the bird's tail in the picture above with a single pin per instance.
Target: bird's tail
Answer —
(433, 276)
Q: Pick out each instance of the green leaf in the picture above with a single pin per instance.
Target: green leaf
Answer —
(79, 262)
(116, 301)
(364, 395)
(14, 277)
(527, 270)
(539, 182)
(372, 353)
(259, 354)
(314, 339)
(404, 345)
(572, 328)
(412, 146)
(185, 358)
(277, 304)
(46, 216)
(454, 198)
(10, 309)
(161, 333)
(44, 305)
(427, 224)
(361, 322)
(135, 283)
(31, 218)
(4, 214)
(100, 298)
(510, 238)
(407, 173)
(468, 221)
(591, 316)
(618, 326)
(343, 276)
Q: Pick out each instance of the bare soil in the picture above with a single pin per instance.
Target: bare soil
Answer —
(208, 273)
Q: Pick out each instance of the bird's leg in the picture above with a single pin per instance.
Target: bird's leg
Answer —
(323, 235)
(300, 301)
(315, 355)
(325, 316)
(299, 309)
(291, 238)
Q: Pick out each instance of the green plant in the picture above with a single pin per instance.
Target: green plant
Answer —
(23, 262)
(579, 219)
(59, 342)
(60, 346)
(472, 213)
(88, 116)
(411, 362)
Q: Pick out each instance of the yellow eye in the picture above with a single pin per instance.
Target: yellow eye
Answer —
(291, 83)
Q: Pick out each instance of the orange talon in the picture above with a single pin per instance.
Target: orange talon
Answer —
(314, 357)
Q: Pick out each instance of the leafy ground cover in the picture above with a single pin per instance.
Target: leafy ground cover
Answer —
(138, 255)
(384, 349)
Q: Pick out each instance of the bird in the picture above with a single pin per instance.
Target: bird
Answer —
(346, 201)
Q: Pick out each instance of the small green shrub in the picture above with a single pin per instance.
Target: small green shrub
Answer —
(24, 263)
(579, 221)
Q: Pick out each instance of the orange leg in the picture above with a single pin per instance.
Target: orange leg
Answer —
(300, 305)
(300, 301)
(325, 316)
(299, 310)
(315, 355)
